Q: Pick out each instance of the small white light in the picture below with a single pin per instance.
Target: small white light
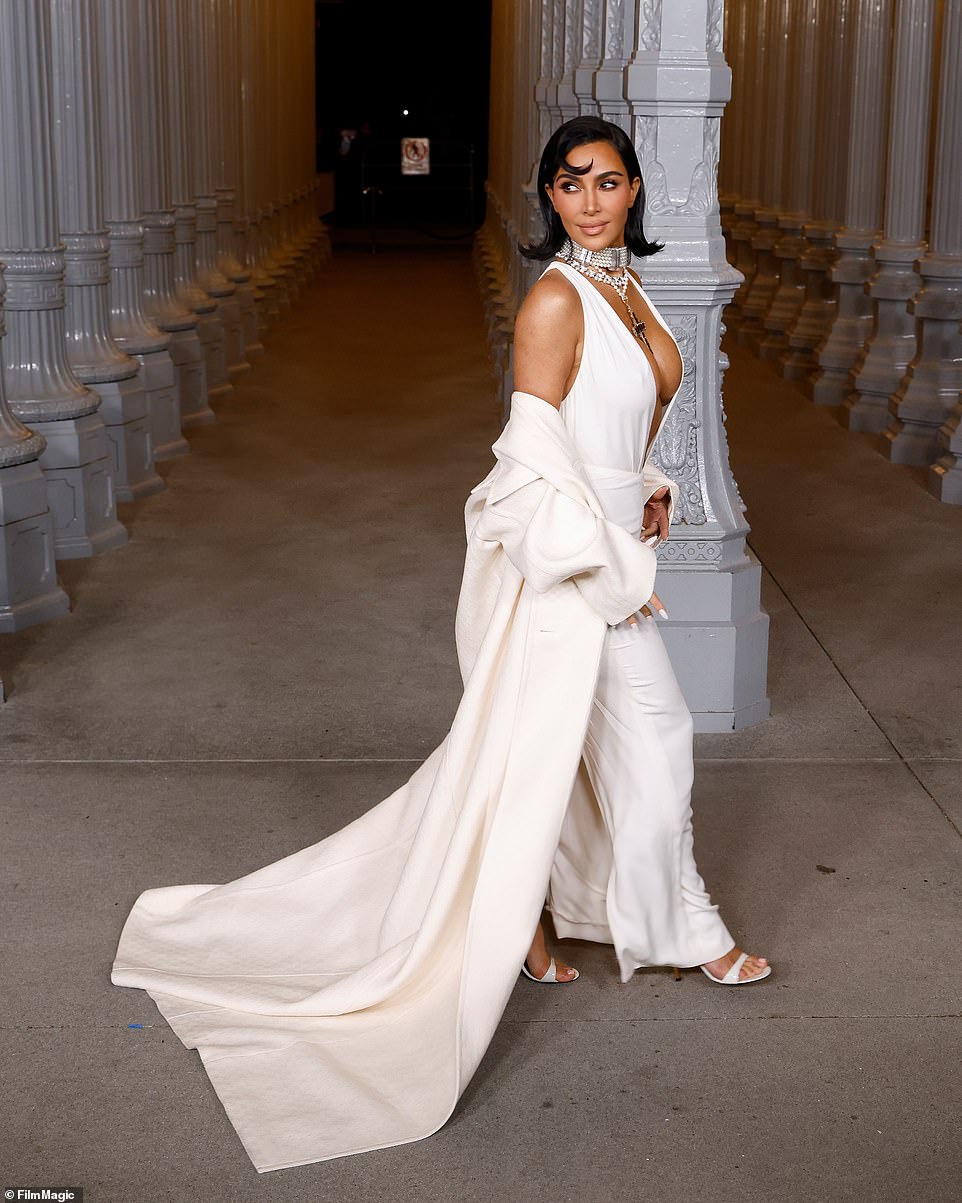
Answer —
(404, 112)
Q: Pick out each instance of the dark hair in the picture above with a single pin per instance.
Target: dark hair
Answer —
(579, 131)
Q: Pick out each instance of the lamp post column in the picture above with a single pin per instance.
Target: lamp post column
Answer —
(257, 104)
(891, 349)
(210, 328)
(29, 592)
(282, 250)
(863, 204)
(94, 357)
(254, 142)
(609, 79)
(945, 475)
(571, 45)
(773, 64)
(587, 56)
(543, 17)
(556, 32)
(41, 389)
(161, 301)
(130, 326)
(225, 81)
(253, 316)
(200, 35)
(833, 83)
(747, 32)
(797, 145)
(677, 86)
(928, 393)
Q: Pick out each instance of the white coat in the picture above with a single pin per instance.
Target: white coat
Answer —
(342, 998)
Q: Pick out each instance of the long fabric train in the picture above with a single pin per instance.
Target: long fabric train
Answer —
(342, 998)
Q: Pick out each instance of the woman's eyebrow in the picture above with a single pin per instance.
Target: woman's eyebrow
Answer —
(601, 174)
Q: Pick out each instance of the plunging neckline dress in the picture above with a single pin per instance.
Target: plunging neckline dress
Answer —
(651, 902)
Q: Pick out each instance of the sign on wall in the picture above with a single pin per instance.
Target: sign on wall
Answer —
(415, 156)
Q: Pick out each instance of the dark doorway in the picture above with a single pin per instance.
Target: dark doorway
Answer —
(386, 71)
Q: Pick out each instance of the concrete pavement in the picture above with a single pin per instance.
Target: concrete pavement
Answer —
(273, 652)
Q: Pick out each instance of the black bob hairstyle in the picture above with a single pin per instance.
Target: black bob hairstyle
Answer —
(579, 131)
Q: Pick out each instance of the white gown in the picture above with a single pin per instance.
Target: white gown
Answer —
(638, 747)
(342, 998)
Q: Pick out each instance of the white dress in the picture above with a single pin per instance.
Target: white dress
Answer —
(638, 748)
(342, 997)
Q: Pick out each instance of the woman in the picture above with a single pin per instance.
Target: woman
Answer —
(613, 396)
(342, 998)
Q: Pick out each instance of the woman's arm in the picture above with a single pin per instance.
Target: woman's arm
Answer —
(548, 337)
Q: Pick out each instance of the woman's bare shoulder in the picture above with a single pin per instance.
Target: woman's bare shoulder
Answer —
(547, 338)
(552, 301)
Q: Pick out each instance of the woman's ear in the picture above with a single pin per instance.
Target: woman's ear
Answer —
(550, 192)
(633, 193)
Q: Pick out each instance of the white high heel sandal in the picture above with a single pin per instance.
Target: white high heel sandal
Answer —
(731, 978)
(551, 974)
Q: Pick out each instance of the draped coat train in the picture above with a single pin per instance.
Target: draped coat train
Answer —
(342, 998)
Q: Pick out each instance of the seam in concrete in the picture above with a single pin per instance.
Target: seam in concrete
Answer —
(162, 1027)
(730, 1018)
(420, 760)
(236, 760)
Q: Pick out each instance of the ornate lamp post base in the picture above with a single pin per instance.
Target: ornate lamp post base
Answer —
(80, 488)
(29, 592)
(123, 407)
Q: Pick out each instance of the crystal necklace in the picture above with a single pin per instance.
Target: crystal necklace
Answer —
(597, 265)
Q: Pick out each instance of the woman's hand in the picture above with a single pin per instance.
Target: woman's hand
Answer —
(656, 515)
(654, 603)
(655, 523)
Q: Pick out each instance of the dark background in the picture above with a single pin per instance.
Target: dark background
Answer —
(376, 58)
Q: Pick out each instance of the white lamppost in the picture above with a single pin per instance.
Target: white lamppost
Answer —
(891, 349)
(41, 389)
(853, 267)
(773, 62)
(29, 592)
(161, 300)
(926, 397)
(710, 580)
(130, 326)
(796, 148)
(94, 357)
(201, 30)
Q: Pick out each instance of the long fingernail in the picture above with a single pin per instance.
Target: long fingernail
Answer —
(663, 613)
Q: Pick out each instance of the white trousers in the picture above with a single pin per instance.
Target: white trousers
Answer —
(638, 753)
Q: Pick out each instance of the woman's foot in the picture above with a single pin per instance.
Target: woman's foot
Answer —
(538, 961)
(562, 972)
(752, 968)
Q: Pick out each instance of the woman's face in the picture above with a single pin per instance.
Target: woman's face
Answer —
(594, 207)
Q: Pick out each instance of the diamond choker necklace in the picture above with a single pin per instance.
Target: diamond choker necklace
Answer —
(598, 265)
(611, 256)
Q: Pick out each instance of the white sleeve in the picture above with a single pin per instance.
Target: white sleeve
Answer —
(550, 537)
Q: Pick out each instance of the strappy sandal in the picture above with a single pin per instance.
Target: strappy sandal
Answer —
(551, 975)
(731, 978)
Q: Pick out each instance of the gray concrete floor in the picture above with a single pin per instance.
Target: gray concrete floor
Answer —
(273, 652)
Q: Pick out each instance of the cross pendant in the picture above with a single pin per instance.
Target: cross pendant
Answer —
(638, 330)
